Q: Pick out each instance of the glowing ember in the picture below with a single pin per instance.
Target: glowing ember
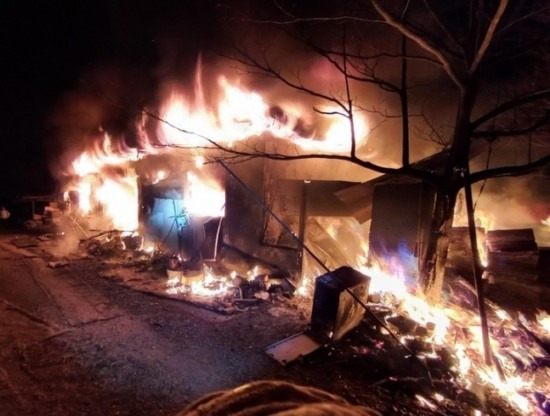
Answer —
(438, 397)
(425, 402)
(306, 288)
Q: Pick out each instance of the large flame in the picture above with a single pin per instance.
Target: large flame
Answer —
(206, 197)
(240, 114)
(120, 201)
(198, 124)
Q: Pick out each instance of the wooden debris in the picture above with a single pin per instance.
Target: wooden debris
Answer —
(513, 252)
(511, 240)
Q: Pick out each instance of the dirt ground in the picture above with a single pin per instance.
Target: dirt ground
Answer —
(75, 343)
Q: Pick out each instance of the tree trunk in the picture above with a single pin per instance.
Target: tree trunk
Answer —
(433, 265)
(433, 270)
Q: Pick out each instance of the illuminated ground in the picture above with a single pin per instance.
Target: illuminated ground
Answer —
(75, 343)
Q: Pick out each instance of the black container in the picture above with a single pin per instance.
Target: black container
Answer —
(335, 312)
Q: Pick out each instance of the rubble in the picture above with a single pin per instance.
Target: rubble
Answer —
(56, 264)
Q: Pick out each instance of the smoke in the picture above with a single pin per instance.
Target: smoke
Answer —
(522, 202)
(155, 51)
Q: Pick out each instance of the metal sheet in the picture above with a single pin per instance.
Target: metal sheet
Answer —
(291, 348)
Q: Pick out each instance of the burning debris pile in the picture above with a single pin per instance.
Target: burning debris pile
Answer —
(432, 351)
(446, 339)
(206, 284)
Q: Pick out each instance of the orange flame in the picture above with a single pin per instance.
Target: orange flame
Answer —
(206, 197)
(119, 199)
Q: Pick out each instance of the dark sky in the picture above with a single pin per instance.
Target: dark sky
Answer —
(50, 48)
(54, 49)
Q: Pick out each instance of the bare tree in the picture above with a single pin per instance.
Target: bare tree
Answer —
(489, 56)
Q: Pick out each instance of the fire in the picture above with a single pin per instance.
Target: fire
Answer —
(208, 286)
(425, 402)
(306, 287)
(119, 199)
(211, 285)
(337, 139)
(199, 123)
(206, 197)
(84, 190)
(161, 175)
(459, 330)
(484, 220)
(543, 319)
(487, 222)
(239, 114)
(103, 154)
(199, 161)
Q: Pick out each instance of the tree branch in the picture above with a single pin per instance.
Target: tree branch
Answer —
(255, 153)
(489, 34)
(267, 70)
(493, 134)
(509, 105)
(421, 41)
(510, 170)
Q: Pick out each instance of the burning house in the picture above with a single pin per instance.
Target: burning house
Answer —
(209, 191)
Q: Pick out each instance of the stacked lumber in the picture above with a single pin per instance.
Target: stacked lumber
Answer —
(514, 253)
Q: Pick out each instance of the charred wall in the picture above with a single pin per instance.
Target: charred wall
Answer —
(244, 222)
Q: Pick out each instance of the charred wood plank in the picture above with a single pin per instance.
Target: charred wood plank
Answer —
(511, 240)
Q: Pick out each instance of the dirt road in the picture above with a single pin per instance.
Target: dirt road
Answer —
(74, 343)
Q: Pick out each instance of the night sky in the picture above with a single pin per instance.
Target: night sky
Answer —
(52, 48)
(117, 52)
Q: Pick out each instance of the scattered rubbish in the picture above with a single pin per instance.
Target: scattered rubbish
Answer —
(56, 264)
(292, 348)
